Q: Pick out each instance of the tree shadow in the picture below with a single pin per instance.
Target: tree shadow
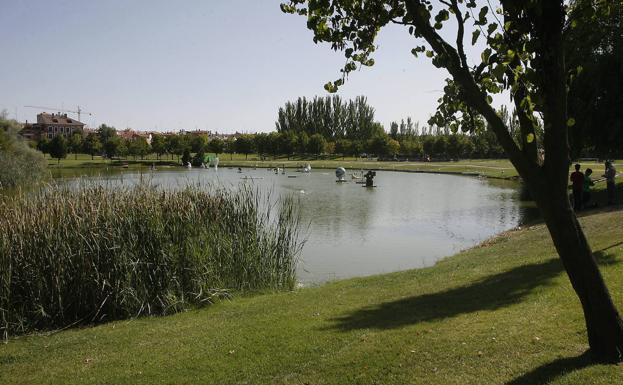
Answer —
(549, 372)
(489, 293)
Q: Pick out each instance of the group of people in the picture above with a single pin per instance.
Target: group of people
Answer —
(581, 184)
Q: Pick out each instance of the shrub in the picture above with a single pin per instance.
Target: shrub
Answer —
(80, 255)
(19, 164)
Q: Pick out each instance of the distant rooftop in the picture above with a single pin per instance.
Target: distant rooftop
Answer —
(45, 118)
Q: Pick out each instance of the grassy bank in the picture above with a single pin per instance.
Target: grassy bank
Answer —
(498, 168)
(491, 168)
(78, 255)
(501, 313)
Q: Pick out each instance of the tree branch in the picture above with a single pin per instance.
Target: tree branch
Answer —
(526, 125)
(475, 97)
(460, 33)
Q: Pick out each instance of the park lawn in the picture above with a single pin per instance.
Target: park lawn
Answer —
(491, 168)
(497, 168)
(500, 313)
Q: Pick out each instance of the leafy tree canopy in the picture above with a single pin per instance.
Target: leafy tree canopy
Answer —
(594, 47)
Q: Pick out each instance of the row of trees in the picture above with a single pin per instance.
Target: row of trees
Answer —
(331, 117)
(349, 128)
(110, 145)
(433, 143)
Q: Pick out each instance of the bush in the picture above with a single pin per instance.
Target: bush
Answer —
(80, 255)
(198, 159)
(19, 164)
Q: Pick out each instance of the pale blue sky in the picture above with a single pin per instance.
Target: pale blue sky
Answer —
(224, 65)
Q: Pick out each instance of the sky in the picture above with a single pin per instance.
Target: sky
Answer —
(219, 65)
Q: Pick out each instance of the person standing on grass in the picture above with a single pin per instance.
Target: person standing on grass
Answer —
(610, 173)
(577, 179)
(586, 196)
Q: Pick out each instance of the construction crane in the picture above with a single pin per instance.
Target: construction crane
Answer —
(78, 111)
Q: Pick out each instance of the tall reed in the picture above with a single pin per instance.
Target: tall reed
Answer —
(93, 253)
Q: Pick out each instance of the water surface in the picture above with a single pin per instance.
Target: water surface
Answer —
(410, 220)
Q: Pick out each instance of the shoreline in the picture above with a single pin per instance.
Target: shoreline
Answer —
(485, 168)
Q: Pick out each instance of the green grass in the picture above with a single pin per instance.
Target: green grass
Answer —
(491, 168)
(500, 313)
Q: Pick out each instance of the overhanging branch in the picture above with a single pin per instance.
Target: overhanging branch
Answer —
(475, 97)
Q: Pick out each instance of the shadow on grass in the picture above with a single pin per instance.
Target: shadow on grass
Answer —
(551, 371)
(489, 293)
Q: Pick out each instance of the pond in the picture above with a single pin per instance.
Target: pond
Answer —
(409, 220)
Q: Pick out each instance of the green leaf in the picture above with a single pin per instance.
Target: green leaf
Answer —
(498, 72)
(475, 36)
(485, 55)
(429, 54)
(482, 15)
(570, 122)
(329, 87)
(530, 138)
(491, 28)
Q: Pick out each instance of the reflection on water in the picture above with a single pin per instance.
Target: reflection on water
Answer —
(410, 220)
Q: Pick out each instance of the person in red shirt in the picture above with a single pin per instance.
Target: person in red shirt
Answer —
(577, 180)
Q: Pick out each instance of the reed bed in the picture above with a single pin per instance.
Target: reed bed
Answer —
(72, 256)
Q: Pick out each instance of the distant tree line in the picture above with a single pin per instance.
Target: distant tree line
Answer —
(405, 140)
(331, 125)
(298, 135)
(330, 117)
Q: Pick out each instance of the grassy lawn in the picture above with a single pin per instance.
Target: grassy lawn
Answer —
(497, 168)
(492, 168)
(501, 313)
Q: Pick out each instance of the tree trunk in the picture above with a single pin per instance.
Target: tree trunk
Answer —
(603, 323)
(547, 183)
